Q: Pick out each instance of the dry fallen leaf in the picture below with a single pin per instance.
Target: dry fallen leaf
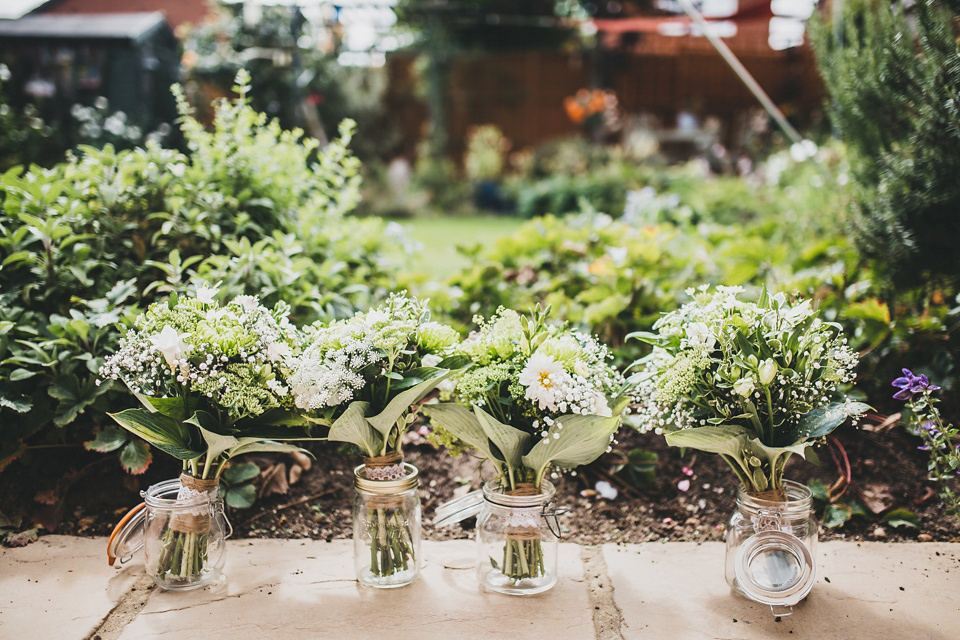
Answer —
(274, 480)
(877, 497)
(295, 471)
(302, 459)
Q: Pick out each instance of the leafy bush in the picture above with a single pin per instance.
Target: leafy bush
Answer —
(263, 210)
(892, 70)
(618, 275)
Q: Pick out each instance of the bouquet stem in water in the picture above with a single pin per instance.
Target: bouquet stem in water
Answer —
(391, 542)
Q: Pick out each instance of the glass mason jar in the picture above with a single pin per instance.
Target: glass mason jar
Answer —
(183, 529)
(386, 528)
(517, 548)
(771, 542)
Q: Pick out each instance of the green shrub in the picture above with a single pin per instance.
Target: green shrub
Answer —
(85, 244)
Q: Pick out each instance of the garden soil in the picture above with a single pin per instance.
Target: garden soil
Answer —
(70, 491)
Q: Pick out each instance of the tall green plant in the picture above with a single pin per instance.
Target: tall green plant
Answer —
(893, 75)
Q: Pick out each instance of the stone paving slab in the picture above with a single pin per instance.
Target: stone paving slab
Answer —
(305, 589)
(59, 587)
(869, 590)
(62, 588)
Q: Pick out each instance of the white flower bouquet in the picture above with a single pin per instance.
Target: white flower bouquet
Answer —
(364, 378)
(212, 380)
(537, 397)
(754, 383)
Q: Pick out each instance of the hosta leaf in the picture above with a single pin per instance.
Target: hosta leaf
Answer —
(509, 440)
(135, 457)
(726, 439)
(582, 440)
(820, 422)
(216, 443)
(109, 439)
(164, 433)
(354, 428)
(258, 445)
(387, 419)
(462, 424)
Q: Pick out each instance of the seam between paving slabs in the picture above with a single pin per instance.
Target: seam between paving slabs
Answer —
(127, 609)
(607, 617)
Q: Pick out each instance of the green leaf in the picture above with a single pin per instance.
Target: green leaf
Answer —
(387, 419)
(819, 489)
(21, 404)
(109, 439)
(820, 422)
(725, 439)
(240, 473)
(171, 407)
(454, 363)
(902, 518)
(216, 443)
(582, 440)
(242, 496)
(836, 515)
(354, 428)
(640, 470)
(463, 425)
(164, 433)
(260, 445)
(135, 457)
(21, 374)
(74, 397)
(509, 440)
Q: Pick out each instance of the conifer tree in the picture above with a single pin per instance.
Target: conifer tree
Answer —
(893, 74)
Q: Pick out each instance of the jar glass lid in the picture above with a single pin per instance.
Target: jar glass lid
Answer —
(127, 536)
(458, 509)
(775, 568)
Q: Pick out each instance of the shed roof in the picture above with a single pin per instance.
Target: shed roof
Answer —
(103, 26)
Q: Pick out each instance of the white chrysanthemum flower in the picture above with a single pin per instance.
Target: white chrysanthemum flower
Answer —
(543, 377)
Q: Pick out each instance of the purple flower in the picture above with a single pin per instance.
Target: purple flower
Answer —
(910, 384)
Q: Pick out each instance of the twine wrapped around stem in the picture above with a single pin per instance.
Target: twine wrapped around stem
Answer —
(385, 467)
(773, 495)
(523, 533)
(196, 520)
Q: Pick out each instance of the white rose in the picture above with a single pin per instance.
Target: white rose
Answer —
(768, 371)
(170, 343)
(744, 386)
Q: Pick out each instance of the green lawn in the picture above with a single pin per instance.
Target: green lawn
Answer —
(440, 237)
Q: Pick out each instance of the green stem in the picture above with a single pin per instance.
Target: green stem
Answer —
(766, 391)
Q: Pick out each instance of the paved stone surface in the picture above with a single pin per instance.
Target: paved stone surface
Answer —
(305, 589)
(59, 587)
(863, 590)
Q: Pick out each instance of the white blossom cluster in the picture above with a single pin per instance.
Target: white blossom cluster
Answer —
(721, 359)
(343, 356)
(237, 355)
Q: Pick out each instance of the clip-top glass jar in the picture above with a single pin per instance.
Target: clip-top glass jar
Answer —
(771, 542)
(386, 527)
(517, 540)
(182, 527)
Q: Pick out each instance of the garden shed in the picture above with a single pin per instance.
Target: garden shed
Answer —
(131, 59)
